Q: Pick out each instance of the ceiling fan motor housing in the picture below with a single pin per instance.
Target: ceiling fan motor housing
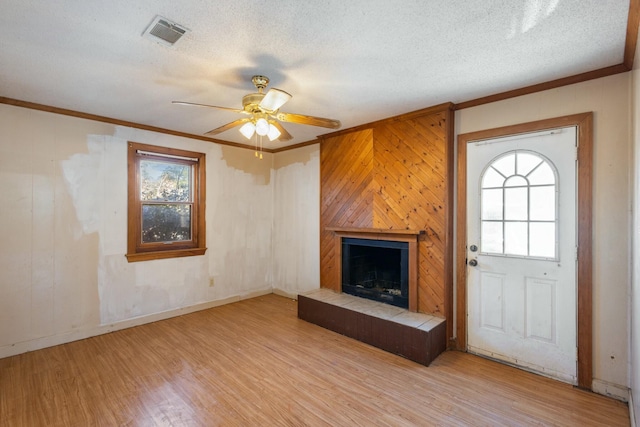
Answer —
(251, 102)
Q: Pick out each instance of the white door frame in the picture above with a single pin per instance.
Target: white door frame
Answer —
(584, 125)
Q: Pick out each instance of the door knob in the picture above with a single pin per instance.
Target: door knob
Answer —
(473, 263)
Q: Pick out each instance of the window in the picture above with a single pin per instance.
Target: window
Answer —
(166, 203)
(519, 206)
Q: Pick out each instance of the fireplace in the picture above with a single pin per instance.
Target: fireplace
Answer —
(410, 238)
(376, 269)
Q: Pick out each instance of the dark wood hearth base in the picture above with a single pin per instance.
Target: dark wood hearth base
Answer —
(416, 336)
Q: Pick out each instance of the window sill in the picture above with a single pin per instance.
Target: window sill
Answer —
(148, 256)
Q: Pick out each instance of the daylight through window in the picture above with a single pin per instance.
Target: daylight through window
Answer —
(166, 203)
(519, 206)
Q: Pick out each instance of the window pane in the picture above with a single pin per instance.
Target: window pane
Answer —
(543, 203)
(543, 239)
(491, 239)
(543, 174)
(166, 223)
(515, 238)
(519, 206)
(492, 178)
(526, 163)
(165, 181)
(515, 201)
(492, 204)
(516, 181)
(506, 165)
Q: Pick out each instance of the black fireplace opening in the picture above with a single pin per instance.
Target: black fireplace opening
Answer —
(377, 270)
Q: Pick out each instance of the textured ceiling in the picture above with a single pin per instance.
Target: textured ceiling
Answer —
(355, 61)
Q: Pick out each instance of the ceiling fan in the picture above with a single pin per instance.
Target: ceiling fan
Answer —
(264, 115)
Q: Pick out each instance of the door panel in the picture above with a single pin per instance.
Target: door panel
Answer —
(492, 301)
(540, 297)
(521, 231)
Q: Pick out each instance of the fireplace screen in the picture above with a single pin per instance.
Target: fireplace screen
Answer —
(376, 269)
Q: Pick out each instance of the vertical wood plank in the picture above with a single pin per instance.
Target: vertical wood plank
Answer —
(461, 247)
(585, 256)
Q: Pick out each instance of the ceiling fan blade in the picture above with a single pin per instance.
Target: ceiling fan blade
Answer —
(284, 135)
(308, 120)
(274, 99)
(193, 104)
(227, 126)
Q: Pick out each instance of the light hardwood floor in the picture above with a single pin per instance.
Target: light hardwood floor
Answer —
(254, 363)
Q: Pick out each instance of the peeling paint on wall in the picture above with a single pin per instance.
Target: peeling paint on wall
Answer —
(296, 240)
(239, 224)
(299, 155)
(246, 161)
(82, 174)
(71, 273)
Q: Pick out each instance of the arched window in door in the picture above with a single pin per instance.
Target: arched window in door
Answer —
(519, 206)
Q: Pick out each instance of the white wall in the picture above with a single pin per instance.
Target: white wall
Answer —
(296, 229)
(609, 99)
(634, 406)
(63, 222)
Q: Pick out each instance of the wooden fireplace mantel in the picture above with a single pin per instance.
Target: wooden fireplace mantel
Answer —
(375, 231)
(409, 236)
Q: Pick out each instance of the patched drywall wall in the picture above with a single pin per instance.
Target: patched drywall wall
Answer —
(609, 99)
(249, 162)
(63, 220)
(48, 264)
(296, 219)
(299, 155)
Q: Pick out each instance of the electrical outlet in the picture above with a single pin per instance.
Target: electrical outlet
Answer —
(211, 282)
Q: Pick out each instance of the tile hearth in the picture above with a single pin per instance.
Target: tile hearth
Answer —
(416, 336)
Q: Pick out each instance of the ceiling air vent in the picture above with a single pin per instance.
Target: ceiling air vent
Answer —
(164, 31)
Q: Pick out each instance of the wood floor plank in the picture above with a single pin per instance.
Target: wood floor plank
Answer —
(254, 363)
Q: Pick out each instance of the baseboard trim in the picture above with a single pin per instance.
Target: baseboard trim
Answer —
(614, 391)
(92, 331)
(285, 294)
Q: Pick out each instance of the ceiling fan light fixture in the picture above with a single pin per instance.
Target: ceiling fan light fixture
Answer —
(263, 115)
(273, 133)
(248, 129)
(262, 127)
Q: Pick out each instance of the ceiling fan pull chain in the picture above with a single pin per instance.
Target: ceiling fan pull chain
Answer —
(258, 151)
(256, 136)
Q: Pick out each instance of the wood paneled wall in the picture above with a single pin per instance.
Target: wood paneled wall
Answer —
(394, 174)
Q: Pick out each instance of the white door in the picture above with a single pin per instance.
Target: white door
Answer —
(521, 268)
